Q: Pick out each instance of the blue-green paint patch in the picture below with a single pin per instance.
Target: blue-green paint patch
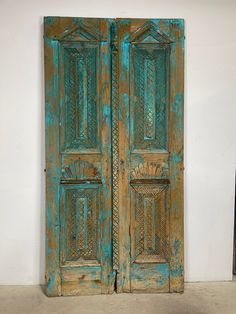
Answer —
(50, 117)
(176, 247)
(51, 283)
(176, 106)
(106, 57)
(175, 158)
(177, 272)
(155, 21)
(106, 111)
(49, 20)
(124, 59)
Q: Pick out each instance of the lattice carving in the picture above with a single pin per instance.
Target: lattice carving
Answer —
(150, 222)
(80, 98)
(151, 189)
(115, 157)
(80, 169)
(150, 169)
(151, 101)
(81, 224)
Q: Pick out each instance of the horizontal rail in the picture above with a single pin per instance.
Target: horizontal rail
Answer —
(81, 181)
(150, 181)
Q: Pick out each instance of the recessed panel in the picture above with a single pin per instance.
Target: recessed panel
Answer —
(150, 99)
(80, 217)
(80, 113)
(150, 222)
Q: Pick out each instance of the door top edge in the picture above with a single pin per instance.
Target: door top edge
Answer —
(99, 29)
(51, 18)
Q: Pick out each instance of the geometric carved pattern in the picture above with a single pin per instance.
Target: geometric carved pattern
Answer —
(115, 159)
(150, 223)
(80, 98)
(150, 169)
(150, 107)
(81, 224)
(80, 169)
(149, 100)
(82, 33)
(149, 32)
(150, 189)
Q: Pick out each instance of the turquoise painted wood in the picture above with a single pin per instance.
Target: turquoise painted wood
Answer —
(78, 123)
(114, 155)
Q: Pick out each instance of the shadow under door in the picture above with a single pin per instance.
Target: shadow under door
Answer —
(114, 155)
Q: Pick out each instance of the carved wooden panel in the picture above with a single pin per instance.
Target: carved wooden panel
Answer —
(80, 169)
(150, 223)
(80, 117)
(150, 107)
(115, 155)
(150, 169)
(80, 224)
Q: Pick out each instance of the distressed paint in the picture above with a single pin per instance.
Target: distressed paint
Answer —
(78, 124)
(79, 117)
(123, 275)
(150, 79)
(115, 151)
(99, 73)
(176, 157)
(155, 133)
(52, 276)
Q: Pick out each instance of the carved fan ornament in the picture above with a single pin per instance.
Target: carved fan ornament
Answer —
(152, 169)
(80, 169)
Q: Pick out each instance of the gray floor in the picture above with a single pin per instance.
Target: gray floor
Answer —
(198, 298)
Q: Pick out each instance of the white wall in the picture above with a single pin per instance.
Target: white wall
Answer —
(210, 129)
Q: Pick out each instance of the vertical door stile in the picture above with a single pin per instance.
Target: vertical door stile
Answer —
(123, 277)
(176, 144)
(52, 277)
(106, 159)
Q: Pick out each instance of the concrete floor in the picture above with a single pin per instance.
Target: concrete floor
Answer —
(198, 298)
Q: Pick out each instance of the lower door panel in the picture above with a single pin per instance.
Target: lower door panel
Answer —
(81, 256)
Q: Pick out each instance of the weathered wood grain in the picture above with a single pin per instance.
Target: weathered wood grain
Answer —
(141, 144)
(78, 133)
(114, 123)
(53, 280)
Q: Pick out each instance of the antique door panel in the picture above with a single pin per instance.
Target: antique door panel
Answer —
(151, 158)
(77, 59)
(114, 147)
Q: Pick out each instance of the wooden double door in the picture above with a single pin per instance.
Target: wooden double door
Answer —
(114, 155)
